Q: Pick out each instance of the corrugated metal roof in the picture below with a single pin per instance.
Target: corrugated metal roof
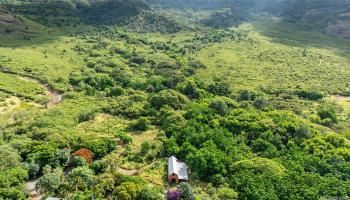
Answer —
(178, 168)
(172, 166)
(182, 167)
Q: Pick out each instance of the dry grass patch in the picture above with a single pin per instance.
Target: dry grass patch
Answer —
(140, 137)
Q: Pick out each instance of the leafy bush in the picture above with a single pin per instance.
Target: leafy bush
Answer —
(148, 193)
(99, 147)
(43, 155)
(171, 98)
(261, 103)
(227, 194)
(186, 191)
(51, 181)
(124, 137)
(328, 115)
(127, 191)
(220, 89)
(145, 147)
(310, 95)
(190, 88)
(80, 178)
(256, 178)
(142, 124)
(79, 161)
(246, 95)
(33, 169)
(87, 115)
(97, 166)
(220, 106)
(116, 91)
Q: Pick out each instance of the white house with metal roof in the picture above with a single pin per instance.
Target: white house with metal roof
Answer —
(177, 171)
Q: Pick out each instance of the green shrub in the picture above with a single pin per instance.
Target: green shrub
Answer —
(310, 95)
(87, 115)
(220, 89)
(220, 106)
(171, 98)
(186, 191)
(124, 137)
(145, 147)
(227, 194)
(100, 147)
(116, 91)
(79, 161)
(148, 193)
(142, 124)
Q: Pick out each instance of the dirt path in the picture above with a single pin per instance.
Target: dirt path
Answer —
(55, 97)
(128, 172)
(33, 194)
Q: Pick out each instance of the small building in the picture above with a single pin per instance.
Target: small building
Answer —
(177, 171)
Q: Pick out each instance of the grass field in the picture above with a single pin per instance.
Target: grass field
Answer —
(344, 102)
(19, 87)
(278, 64)
(51, 63)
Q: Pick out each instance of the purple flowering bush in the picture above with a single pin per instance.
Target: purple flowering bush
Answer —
(173, 195)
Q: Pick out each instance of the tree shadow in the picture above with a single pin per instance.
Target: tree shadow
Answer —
(17, 30)
(290, 34)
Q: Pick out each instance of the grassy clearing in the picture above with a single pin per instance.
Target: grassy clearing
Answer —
(140, 137)
(344, 102)
(20, 88)
(14, 106)
(9, 104)
(51, 63)
(102, 125)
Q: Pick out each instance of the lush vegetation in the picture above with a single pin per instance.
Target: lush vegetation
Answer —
(258, 110)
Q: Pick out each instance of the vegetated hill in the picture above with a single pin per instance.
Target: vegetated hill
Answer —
(68, 12)
(14, 27)
(206, 4)
(149, 21)
(113, 11)
(8, 20)
(331, 16)
(341, 27)
(48, 13)
(134, 14)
